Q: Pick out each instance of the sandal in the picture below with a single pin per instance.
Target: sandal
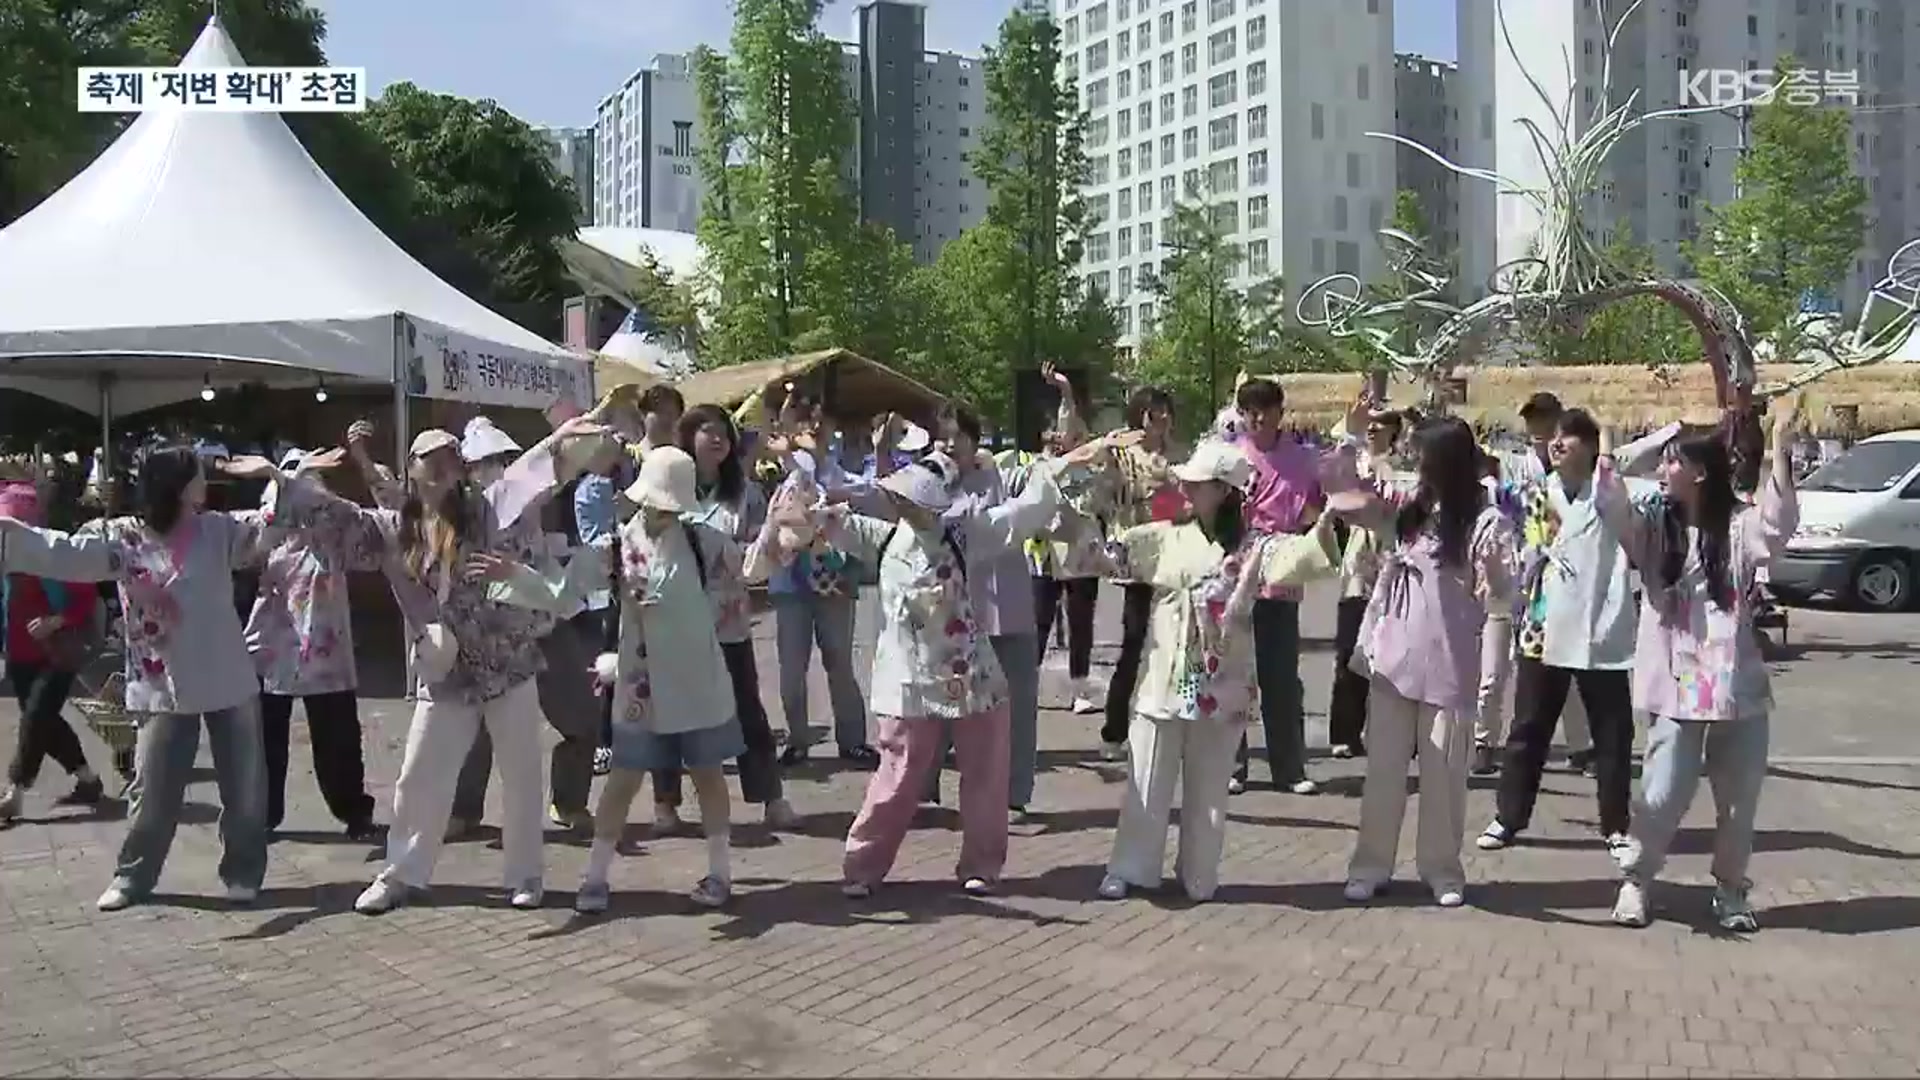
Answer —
(863, 755)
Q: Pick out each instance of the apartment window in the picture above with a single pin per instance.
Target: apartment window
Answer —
(1166, 150)
(1146, 75)
(1256, 206)
(1256, 123)
(1122, 86)
(1123, 10)
(1167, 194)
(1189, 16)
(1257, 169)
(1339, 221)
(1096, 133)
(1222, 46)
(1123, 45)
(1097, 171)
(1101, 283)
(1373, 7)
(1070, 32)
(1226, 218)
(1096, 57)
(1486, 121)
(1096, 19)
(1166, 27)
(1753, 26)
(1223, 89)
(1190, 180)
(1257, 257)
(1346, 257)
(1685, 202)
(1363, 83)
(1146, 242)
(966, 132)
(1146, 318)
(1256, 78)
(1145, 154)
(1317, 121)
(1145, 120)
(1353, 170)
(1124, 163)
(1223, 133)
(1126, 249)
(1166, 68)
(1125, 198)
(1125, 278)
(1223, 177)
(1189, 102)
(1123, 124)
(1097, 94)
(1257, 33)
(1145, 192)
(1099, 247)
(1166, 107)
(1190, 144)
(1189, 58)
(1097, 208)
(1219, 9)
(683, 138)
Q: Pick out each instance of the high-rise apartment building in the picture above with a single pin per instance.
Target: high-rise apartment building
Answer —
(1256, 108)
(916, 115)
(1426, 109)
(1863, 55)
(571, 149)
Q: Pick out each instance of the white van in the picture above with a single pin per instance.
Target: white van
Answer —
(1859, 534)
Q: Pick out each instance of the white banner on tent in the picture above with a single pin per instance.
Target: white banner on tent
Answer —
(454, 367)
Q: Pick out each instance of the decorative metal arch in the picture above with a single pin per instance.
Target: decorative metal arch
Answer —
(1570, 277)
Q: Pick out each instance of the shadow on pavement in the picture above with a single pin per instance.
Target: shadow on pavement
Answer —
(1786, 773)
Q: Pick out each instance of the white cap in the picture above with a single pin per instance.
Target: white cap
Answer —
(913, 438)
(927, 483)
(1216, 460)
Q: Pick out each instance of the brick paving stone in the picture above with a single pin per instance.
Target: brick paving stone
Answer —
(1276, 977)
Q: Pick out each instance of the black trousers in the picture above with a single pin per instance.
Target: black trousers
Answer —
(42, 693)
(1283, 717)
(1539, 694)
(1135, 611)
(1081, 595)
(759, 767)
(333, 726)
(1347, 710)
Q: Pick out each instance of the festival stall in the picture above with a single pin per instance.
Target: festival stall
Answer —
(203, 250)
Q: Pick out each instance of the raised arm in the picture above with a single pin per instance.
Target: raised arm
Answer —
(86, 556)
(1013, 522)
(1778, 508)
(385, 487)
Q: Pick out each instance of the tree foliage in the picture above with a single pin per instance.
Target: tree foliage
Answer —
(1201, 338)
(1797, 224)
(1639, 330)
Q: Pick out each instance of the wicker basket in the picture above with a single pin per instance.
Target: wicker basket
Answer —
(106, 713)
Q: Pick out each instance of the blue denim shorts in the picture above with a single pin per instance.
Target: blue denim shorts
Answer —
(635, 747)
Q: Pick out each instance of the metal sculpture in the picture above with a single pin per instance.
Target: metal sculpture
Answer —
(1569, 276)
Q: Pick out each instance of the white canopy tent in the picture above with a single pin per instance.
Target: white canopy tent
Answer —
(208, 247)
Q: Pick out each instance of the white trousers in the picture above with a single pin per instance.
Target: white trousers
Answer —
(1395, 727)
(437, 745)
(1496, 673)
(1197, 757)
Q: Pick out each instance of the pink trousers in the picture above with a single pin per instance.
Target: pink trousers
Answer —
(908, 752)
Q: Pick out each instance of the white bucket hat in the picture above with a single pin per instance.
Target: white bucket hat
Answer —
(1216, 460)
(913, 438)
(483, 440)
(667, 482)
(927, 483)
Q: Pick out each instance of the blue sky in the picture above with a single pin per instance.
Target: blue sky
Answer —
(551, 61)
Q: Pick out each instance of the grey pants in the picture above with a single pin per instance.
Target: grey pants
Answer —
(569, 704)
(802, 620)
(166, 751)
(1733, 756)
(1019, 656)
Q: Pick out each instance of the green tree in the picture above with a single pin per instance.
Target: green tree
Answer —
(1279, 345)
(1797, 223)
(669, 303)
(775, 128)
(1032, 159)
(482, 171)
(1202, 338)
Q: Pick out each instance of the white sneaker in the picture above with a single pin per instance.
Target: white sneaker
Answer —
(1359, 892)
(1236, 786)
(1304, 786)
(528, 896)
(242, 894)
(11, 804)
(1630, 906)
(1494, 838)
(1113, 751)
(781, 815)
(1621, 847)
(666, 819)
(977, 886)
(592, 897)
(1112, 888)
(1450, 896)
(383, 895)
(115, 898)
(1733, 911)
(711, 892)
(1083, 703)
(856, 890)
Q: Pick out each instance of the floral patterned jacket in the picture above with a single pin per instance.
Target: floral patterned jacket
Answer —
(300, 631)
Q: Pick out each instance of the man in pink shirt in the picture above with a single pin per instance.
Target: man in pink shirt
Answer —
(1287, 498)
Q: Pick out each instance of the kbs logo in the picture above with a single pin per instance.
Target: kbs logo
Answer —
(1803, 86)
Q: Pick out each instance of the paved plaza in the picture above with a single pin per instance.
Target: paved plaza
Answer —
(1277, 977)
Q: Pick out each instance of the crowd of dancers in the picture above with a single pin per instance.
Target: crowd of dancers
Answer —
(1628, 574)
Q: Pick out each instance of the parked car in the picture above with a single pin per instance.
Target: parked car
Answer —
(1859, 534)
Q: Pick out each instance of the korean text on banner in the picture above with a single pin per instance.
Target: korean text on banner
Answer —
(243, 89)
(453, 367)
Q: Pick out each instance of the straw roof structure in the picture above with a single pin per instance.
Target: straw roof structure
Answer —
(611, 372)
(861, 387)
(1853, 402)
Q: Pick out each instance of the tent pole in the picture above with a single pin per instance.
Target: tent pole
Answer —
(107, 478)
(401, 439)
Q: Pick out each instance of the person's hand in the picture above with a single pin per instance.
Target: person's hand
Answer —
(46, 626)
(483, 567)
(359, 434)
(580, 425)
(249, 467)
(321, 461)
(1360, 413)
(1124, 439)
(1057, 377)
(1785, 412)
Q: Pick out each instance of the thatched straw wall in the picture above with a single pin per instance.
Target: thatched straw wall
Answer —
(1884, 397)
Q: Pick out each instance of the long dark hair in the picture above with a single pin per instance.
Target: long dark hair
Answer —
(1449, 496)
(732, 481)
(1229, 525)
(1716, 502)
(165, 474)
